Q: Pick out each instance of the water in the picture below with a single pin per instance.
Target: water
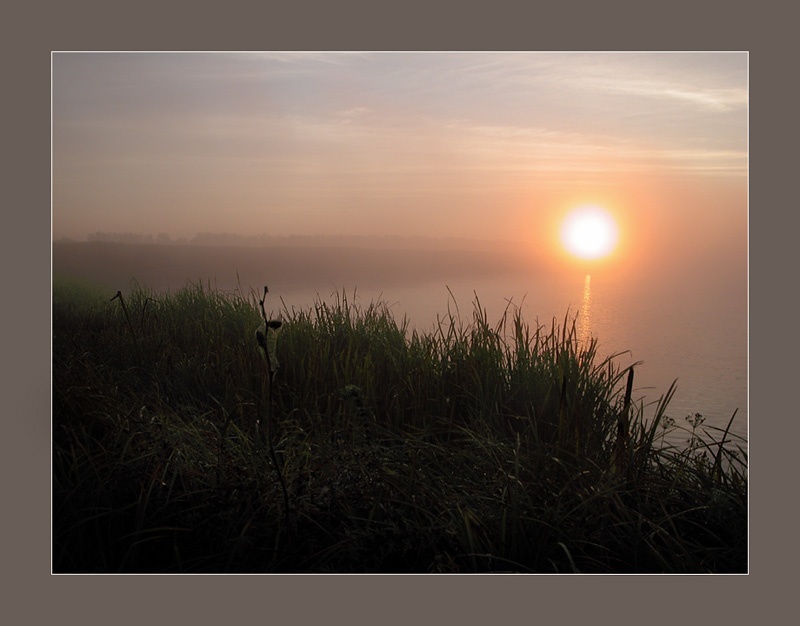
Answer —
(687, 324)
(684, 333)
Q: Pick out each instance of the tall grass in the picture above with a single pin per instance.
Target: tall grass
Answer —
(475, 447)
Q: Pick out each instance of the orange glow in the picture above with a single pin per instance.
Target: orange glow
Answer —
(589, 232)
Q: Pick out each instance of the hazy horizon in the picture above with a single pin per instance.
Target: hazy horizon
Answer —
(255, 239)
(446, 146)
(482, 146)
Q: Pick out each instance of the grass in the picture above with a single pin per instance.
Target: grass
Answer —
(375, 448)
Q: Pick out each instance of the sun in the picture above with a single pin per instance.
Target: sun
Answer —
(589, 232)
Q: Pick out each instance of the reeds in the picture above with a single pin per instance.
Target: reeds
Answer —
(471, 447)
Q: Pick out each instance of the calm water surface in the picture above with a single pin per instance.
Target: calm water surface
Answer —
(693, 332)
(688, 323)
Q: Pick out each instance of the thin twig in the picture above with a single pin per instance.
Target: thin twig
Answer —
(623, 426)
(270, 373)
(125, 311)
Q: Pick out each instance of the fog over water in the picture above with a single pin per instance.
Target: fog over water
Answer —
(410, 176)
(688, 323)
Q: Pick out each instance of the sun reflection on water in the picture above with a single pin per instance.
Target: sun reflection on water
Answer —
(585, 315)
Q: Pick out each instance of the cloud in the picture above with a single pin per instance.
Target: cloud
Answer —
(715, 99)
(354, 113)
(330, 130)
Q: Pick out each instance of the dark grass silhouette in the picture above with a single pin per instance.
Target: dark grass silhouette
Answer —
(472, 448)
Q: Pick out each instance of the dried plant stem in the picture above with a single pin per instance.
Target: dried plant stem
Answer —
(125, 311)
(623, 426)
(270, 376)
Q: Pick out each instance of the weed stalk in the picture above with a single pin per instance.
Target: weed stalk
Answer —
(271, 325)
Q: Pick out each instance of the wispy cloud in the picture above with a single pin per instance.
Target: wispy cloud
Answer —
(716, 99)
(344, 129)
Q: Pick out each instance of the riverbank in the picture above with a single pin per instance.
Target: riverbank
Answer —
(472, 448)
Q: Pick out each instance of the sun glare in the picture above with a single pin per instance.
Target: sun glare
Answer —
(589, 232)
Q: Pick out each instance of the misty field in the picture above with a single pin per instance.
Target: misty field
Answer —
(476, 447)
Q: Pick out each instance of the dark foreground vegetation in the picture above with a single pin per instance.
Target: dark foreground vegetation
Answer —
(470, 448)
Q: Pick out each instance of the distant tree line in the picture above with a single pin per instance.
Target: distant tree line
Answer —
(161, 238)
(265, 240)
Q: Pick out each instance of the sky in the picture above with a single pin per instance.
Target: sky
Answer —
(476, 145)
